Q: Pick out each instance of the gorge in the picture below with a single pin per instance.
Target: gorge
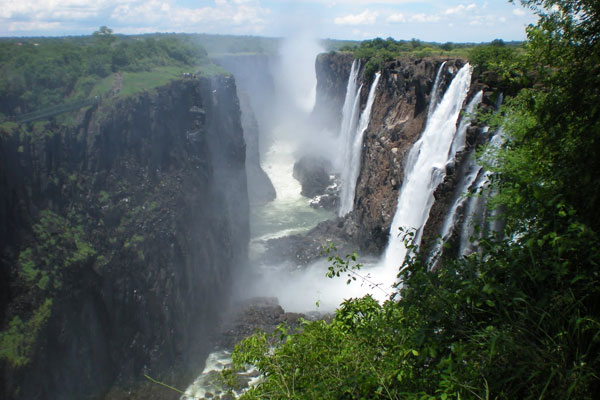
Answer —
(156, 199)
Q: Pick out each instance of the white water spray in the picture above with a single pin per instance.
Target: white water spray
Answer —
(350, 112)
(435, 93)
(477, 212)
(428, 158)
(351, 168)
(472, 170)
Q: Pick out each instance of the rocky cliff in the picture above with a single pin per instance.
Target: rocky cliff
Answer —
(333, 70)
(119, 236)
(397, 119)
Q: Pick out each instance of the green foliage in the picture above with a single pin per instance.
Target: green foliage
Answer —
(493, 57)
(42, 72)
(58, 245)
(519, 319)
(16, 343)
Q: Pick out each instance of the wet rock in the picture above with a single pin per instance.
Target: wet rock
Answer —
(156, 189)
(304, 249)
(250, 316)
(313, 173)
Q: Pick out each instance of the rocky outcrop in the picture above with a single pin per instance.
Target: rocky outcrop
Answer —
(313, 173)
(333, 70)
(260, 187)
(119, 238)
(262, 314)
(397, 121)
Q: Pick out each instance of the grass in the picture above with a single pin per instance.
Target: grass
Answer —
(136, 82)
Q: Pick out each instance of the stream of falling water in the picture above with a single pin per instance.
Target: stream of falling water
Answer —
(426, 168)
(354, 143)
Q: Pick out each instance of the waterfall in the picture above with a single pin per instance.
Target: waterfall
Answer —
(352, 163)
(477, 212)
(349, 115)
(472, 170)
(435, 93)
(426, 168)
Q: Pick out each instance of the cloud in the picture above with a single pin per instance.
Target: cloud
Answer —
(519, 12)
(53, 9)
(164, 15)
(365, 18)
(460, 9)
(20, 26)
(133, 15)
(398, 17)
(424, 18)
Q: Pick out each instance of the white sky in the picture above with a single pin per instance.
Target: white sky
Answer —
(429, 20)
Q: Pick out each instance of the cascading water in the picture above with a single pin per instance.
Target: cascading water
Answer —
(471, 173)
(349, 115)
(352, 163)
(426, 168)
(477, 212)
(435, 93)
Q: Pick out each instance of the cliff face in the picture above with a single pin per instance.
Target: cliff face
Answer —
(255, 89)
(333, 70)
(119, 237)
(397, 121)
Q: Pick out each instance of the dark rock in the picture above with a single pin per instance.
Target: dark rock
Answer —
(313, 173)
(260, 187)
(252, 315)
(304, 249)
(157, 189)
(333, 70)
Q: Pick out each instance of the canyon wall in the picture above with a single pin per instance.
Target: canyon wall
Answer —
(119, 237)
(397, 121)
(255, 90)
(398, 118)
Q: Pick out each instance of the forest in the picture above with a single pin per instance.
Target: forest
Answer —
(519, 319)
(42, 72)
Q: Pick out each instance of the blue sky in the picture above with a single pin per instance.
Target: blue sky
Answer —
(430, 20)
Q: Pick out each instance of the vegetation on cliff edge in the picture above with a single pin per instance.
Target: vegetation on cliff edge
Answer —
(43, 72)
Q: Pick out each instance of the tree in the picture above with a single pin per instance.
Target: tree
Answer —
(105, 35)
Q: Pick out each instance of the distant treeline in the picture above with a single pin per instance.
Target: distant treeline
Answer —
(377, 51)
(41, 72)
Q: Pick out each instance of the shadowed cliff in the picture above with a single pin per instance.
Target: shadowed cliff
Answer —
(119, 238)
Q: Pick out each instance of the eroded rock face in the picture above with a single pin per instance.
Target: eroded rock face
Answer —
(314, 174)
(260, 187)
(151, 194)
(397, 121)
(333, 70)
